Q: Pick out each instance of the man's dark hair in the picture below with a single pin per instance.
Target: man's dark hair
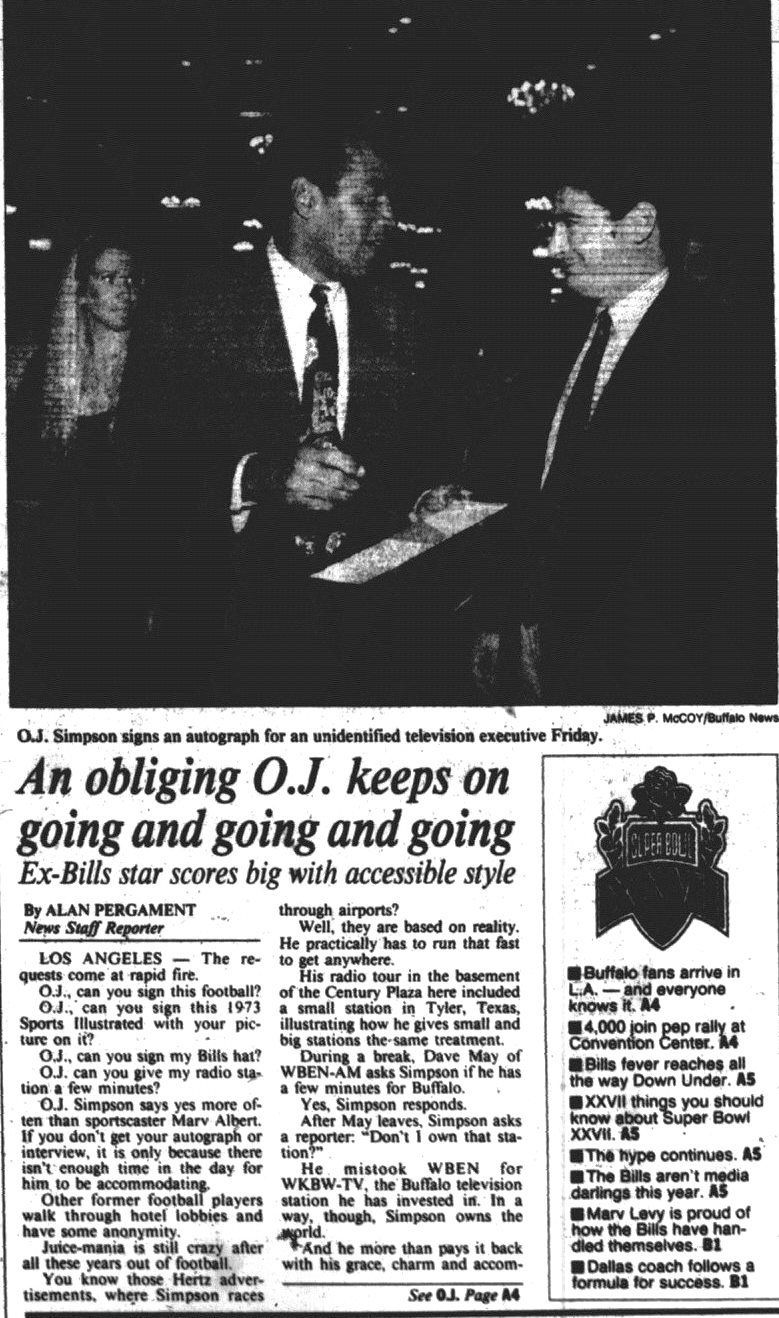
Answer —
(320, 150)
(619, 169)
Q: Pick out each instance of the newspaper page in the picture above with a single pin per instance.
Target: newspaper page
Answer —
(379, 1007)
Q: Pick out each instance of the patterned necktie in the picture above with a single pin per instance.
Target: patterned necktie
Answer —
(575, 421)
(320, 372)
(319, 403)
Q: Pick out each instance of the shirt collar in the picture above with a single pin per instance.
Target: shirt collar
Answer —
(292, 278)
(626, 314)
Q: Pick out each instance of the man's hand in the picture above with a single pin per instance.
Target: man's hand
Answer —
(436, 499)
(322, 478)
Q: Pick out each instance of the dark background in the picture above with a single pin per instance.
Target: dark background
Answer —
(113, 105)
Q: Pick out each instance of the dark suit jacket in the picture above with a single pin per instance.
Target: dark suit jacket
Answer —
(212, 380)
(648, 561)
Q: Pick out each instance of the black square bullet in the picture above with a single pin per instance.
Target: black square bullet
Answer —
(574, 1027)
(574, 972)
(575, 1064)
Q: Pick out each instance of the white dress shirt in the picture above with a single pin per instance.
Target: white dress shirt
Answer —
(293, 290)
(626, 316)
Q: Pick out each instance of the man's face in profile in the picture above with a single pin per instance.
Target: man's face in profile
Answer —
(355, 220)
(588, 245)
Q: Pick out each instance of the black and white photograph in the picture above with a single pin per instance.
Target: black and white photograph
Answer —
(389, 919)
(402, 353)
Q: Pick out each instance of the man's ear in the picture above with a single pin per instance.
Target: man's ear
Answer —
(306, 197)
(639, 224)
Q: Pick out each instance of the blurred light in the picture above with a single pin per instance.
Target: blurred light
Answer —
(40, 244)
(393, 31)
(190, 203)
(243, 246)
(591, 68)
(406, 226)
(400, 265)
(538, 204)
(252, 62)
(532, 97)
(252, 224)
(672, 30)
(186, 64)
(171, 203)
(419, 283)
(419, 270)
(9, 209)
(655, 36)
(253, 114)
(402, 109)
(540, 251)
(405, 20)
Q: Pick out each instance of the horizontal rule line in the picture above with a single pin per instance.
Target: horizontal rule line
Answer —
(433, 1313)
(578, 1312)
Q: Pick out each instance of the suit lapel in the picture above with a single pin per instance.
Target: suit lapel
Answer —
(370, 392)
(264, 353)
(647, 347)
(619, 450)
(633, 391)
(263, 342)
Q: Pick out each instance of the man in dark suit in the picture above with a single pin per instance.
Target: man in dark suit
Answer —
(644, 552)
(299, 426)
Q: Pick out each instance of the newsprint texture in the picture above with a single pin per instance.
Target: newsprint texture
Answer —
(389, 908)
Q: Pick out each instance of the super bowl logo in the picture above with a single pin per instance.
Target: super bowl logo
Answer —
(661, 862)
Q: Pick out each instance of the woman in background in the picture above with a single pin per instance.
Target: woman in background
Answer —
(78, 607)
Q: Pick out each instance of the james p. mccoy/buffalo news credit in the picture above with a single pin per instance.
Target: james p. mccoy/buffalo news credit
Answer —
(389, 907)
